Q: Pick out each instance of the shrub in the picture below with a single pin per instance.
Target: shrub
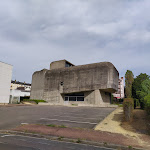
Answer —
(62, 126)
(147, 108)
(112, 99)
(147, 104)
(136, 103)
(78, 141)
(33, 100)
(51, 125)
(120, 100)
(128, 105)
(60, 138)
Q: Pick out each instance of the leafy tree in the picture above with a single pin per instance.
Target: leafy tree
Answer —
(147, 103)
(129, 78)
(144, 92)
(137, 84)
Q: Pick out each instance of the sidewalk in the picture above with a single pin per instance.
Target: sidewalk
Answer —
(14, 105)
(82, 134)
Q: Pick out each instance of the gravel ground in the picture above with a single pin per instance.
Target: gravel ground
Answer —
(112, 124)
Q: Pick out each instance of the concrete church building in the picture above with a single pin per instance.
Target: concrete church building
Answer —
(67, 84)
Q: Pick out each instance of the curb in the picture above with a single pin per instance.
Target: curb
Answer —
(77, 141)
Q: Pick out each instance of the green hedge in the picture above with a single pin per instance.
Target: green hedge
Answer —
(147, 103)
(147, 108)
(33, 100)
(128, 105)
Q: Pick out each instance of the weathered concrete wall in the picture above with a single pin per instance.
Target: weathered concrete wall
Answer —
(60, 64)
(95, 98)
(89, 98)
(57, 64)
(113, 77)
(102, 98)
(95, 80)
(83, 78)
(53, 97)
(37, 88)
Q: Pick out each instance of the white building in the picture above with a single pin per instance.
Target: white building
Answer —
(16, 84)
(5, 82)
(120, 93)
(15, 95)
(19, 90)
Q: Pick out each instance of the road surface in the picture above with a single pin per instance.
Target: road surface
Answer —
(16, 142)
(81, 117)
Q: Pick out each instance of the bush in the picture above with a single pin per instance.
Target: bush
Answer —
(136, 103)
(33, 100)
(120, 100)
(147, 104)
(24, 97)
(128, 105)
(147, 108)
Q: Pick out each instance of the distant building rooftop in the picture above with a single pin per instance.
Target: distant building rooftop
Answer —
(60, 64)
(21, 83)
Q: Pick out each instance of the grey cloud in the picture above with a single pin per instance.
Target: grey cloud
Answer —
(35, 32)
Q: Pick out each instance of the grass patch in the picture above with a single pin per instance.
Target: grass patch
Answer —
(62, 126)
(78, 141)
(119, 105)
(74, 104)
(60, 138)
(105, 143)
(58, 126)
(130, 147)
(51, 125)
(33, 100)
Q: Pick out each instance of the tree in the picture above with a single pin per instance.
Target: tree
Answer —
(145, 89)
(129, 78)
(137, 84)
(147, 103)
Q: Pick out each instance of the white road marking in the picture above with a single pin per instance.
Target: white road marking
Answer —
(24, 123)
(7, 135)
(83, 114)
(74, 117)
(69, 121)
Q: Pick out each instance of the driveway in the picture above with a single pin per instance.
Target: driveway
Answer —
(80, 117)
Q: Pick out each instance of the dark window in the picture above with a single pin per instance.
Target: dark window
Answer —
(72, 98)
(106, 93)
(66, 98)
(68, 64)
(80, 98)
(75, 94)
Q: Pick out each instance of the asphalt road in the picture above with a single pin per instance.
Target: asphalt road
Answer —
(13, 142)
(82, 117)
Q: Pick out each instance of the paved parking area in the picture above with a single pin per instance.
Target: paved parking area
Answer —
(80, 117)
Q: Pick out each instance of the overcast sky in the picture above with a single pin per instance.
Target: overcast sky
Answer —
(34, 33)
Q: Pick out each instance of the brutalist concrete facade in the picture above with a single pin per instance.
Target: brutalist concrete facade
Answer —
(66, 84)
